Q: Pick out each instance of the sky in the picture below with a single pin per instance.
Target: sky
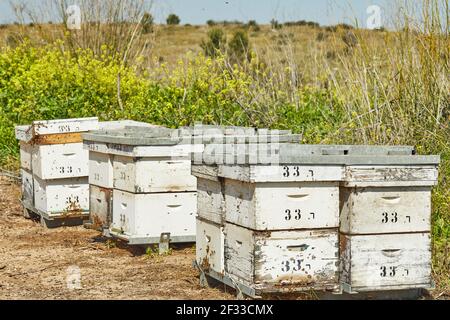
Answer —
(326, 12)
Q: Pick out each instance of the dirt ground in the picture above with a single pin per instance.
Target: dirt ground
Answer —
(35, 262)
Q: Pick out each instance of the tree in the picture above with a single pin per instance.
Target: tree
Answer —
(173, 19)
(215, 43)
(147, 23)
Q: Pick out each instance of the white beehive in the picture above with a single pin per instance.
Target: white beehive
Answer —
(386, 225)
(143, 218)
(282, 260)
(379, 190)
(101, 174)
(210, 195)
(55, 162)
(386, 262)
(150, 169)
(62, 197)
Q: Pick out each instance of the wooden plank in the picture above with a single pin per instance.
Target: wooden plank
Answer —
(294, 173)
(408, 175)
(101, 170)
(55, 127)
(26, 152)
(59, 126)
(205, 172)
(210, 200)
(385, 210)
(178, 151)
(63, 138)
(100, 207)
(27, 186)
(210, 246)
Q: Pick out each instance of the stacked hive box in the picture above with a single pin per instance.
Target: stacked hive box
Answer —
(55, 170)
(153, 190)
(101, 179)
(386, 224)
(269, 229)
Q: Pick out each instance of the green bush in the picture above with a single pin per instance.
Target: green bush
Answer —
(239, 47)
(215, 43)
(49, 83)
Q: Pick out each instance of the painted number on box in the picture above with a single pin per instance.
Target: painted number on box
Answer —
(298, 215)
(393, 271)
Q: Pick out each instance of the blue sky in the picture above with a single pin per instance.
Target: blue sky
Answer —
(199, 11)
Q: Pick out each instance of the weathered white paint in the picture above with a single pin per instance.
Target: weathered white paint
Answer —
(282, 206)
(386, 262)
(150, 215)
(26, 151)
(27, 186)
(265, 260)
(146, 175)
(97, 147)
(100, 206)
(176, 151)
(210, 200)
(288, 173)
(210, 245)
(27, 133)
(101, 170)
(60, 161)
(379, 176)
(62, 195)
(385, 210)
(65, 126)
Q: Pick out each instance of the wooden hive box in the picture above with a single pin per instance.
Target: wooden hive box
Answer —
(143, 218)
(386, 225)
(282, 261)
(385, 262)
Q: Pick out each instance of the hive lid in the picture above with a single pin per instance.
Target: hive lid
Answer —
(123, 124)
(160, 136)
(49, 127)
(272, 153)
